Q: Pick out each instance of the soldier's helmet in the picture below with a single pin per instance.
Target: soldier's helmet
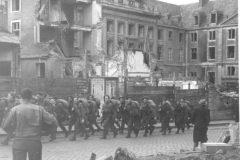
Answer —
(202, 102)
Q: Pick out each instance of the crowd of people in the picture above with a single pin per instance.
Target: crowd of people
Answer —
(82, 113)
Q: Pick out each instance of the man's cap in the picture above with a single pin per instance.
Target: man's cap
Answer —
(202, 101)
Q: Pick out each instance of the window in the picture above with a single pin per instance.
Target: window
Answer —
(211, 52)
(193, 37)
(170, 35)
(140, 46)
(230, 51)
(160, 56)
(181, 55)
(16, 5)
(120, 45)
(180, 37)
(140, 31)
(213, 18)
(170, 54)
(150, 32)
(160, 34)
(180, 74)
(196, 20)
(131, 45)
(231, 71)
(212, 35)
(40, 70)
(194, 54)
(16, 28)
(193, 74)
(171, 75)
(150, 47)
(109, 26)
(121, 28)
(109, 48)
(5, 68)
(231, 34)
(131, 29)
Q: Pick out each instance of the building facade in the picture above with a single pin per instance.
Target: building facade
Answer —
(198, 40)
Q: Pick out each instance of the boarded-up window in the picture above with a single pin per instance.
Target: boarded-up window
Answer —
(5, 68)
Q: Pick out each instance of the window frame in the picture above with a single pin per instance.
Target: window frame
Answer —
(232, 33)
(192, 54)
(112, 26)
(212, 33)
(39, 69)
(180, 38)
(20, 27)
(170, 54)
(170, 38)
(215, 14)
(20, 6)
(152, 29)
(193, 37)
(134, 29)
(161, 37)
(160, 58)
(195, 20)
(209, 52)
(143, 27)
(193, 74)
(232, 66)
(233, 52)
(181, 55)
(121, 23)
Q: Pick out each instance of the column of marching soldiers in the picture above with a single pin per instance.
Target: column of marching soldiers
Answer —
(84, 114)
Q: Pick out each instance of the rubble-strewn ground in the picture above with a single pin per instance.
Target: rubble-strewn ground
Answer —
(63, 149)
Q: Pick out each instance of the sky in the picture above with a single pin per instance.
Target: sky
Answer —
(180, 1)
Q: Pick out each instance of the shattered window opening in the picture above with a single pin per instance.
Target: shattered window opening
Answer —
(230, 51)
(211, 52)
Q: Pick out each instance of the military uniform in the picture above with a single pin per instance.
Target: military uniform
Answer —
(109, 115)
(124, 115)
(133, 109)
(166, 114)
(81, 111)
(187, 113)
(179, 118)
(92, 118)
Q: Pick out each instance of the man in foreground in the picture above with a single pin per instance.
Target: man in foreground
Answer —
(27, 121)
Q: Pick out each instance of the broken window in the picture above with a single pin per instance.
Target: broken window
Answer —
(181, 55)
(213, 18)
(16, 28)
(121, 28)
(40, 70)
(140, 46)
(212, 35)
(160, 56)
(140, 31)
(150, 32)
(170, 35)
(109, 26)
(170, 54)
(16, 5)
(131, 45)
(194, 54)
(196, 20)
(231, 70)
(193, 37)
(193, 74)
(160, 34)
(211, 52)
(5, 68)
(120, 45)
(231, 34)
(131, 29)
(109, 48)
(180, 37)
(230, 51)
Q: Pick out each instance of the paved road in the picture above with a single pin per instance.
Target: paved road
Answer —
(63, 149)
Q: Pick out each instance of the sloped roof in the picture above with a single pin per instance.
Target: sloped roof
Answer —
(7, 37)
(225, 9)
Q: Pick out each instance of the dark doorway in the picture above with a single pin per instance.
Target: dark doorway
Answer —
(211, 76)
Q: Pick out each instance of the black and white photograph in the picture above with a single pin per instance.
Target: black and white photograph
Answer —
(119, 80)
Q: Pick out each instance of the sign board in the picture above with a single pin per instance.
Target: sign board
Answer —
(82, 83)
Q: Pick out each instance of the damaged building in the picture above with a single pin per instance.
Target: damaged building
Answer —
(197, 40)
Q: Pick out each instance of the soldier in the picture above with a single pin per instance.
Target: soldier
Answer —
(124, 114)
(62, 113)
(109, 115)
(133, 109)
(41, 101)
(179, 117)
(9, 104)
(3, 105)
(146, 115)
(72, 114)
(92, 118)
(166, 114)
(187, 112)
(81, 113)
(98, 103)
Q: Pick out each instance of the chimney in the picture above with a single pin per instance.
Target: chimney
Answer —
(202, 3)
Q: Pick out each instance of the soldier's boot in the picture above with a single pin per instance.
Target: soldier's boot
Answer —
(129, 134)
(86, 136)
(146, 131)
(104, 135)
(115, 133)
(152, 129)
(169, 130)
(121, 131)
(74, 137)
(136, 133)
(177, 131)
(183, 130)
(52, 136)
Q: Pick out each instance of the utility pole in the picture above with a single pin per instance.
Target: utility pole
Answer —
(85, 65)
(125, 52)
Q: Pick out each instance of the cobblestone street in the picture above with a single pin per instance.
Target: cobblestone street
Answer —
(63, 149)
